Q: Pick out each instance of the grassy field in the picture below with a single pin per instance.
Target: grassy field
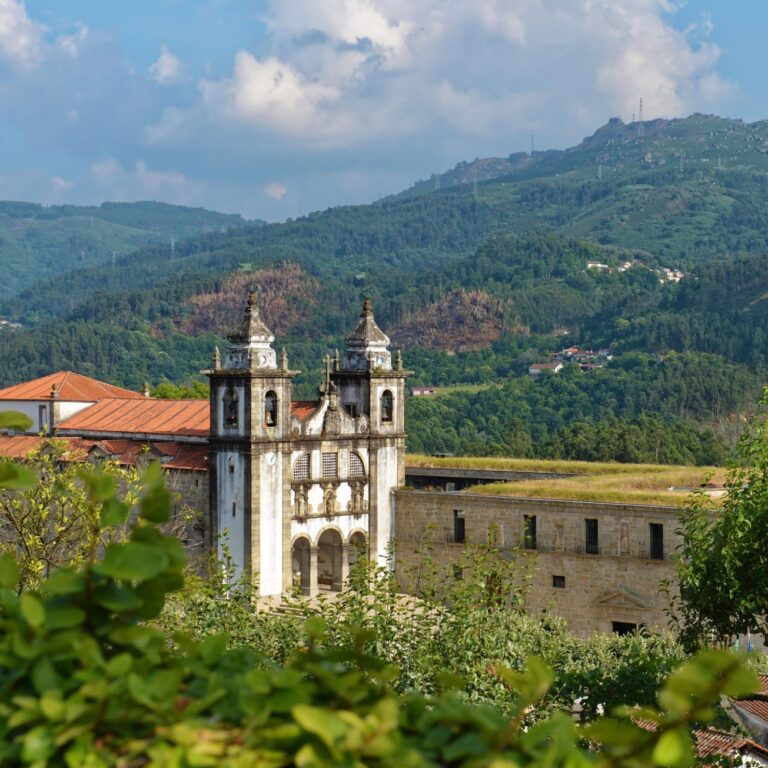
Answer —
(607, 482)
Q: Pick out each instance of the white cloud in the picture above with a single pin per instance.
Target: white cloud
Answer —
(275, 190)
(60, 184)
(168, 69)
(22, 40)
(270, 93)
(112, 181)
(354, 71)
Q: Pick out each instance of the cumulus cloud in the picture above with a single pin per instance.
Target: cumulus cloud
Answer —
(22, 40)
(168, 69)
(355, 71)
(345, 100)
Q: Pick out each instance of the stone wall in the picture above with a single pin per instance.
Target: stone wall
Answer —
(619, 584)
(189, 493)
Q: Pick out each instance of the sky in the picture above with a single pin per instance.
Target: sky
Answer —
(274, 108)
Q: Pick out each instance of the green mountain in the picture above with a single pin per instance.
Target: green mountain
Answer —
(496, 266)
(37, 241)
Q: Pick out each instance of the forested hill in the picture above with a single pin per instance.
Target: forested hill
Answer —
(475, 282)
(37, 241)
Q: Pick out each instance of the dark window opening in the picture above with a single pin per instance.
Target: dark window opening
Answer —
(42, 411)
(230, 407)
(657, 541)
(352, 410)
(231, 469)
(386, 406)
(459, 527)
(591, 543)
(270, 409)
(529, 531)
(623, 628)
(558, 582)
(234, 508)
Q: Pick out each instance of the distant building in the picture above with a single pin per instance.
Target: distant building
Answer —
(537, 369)
(422, 391)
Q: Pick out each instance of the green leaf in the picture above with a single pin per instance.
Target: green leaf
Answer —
(117, 598)
(673, 749)
(324, 724)
(132, 561)
(64, 617)
(63, 582)
(14, 420)
(32, 610)
(9, 572)
(156, 505)
(100, 486)
(114, 512)
(16, 478)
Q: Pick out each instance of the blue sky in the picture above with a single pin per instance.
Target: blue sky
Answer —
(279, 107)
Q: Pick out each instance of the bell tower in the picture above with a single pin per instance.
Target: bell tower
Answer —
(249, 453)
(372, 389)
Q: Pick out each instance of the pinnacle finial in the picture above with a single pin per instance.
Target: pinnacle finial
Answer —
(251, 299)
(216, 358)
(367, 307)
(398, 360)
(145, 390)
(284, 360)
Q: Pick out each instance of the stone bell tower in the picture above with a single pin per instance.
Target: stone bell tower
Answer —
(249, 453)
(372, 389)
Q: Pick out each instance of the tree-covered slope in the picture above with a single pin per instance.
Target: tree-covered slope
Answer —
(37, 241)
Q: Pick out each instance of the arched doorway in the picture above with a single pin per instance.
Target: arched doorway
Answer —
(329, 555)
(300, 564)
(358, 549)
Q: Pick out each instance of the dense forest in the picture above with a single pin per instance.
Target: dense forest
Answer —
(475, 282)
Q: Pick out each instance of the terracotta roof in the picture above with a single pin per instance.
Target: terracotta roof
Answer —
(763, 685)
(145, 416)
(711, 742)
(756, 707)
(301, 409)
(127, 452)
(72, 386)
(17, 446)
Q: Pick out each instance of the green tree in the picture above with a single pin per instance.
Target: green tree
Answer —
(723, 564)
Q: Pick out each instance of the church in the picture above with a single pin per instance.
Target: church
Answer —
(292, 492)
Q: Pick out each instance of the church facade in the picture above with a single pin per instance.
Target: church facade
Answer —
(298, 490)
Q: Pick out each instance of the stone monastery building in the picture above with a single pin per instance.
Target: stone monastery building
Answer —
(294, 491)
(291, 490)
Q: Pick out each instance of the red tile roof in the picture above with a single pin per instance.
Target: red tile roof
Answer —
(127, 452)
(709, 742)
(303, 408)
(72, 386)
(756, 707)
(145, 416)
(763, 685)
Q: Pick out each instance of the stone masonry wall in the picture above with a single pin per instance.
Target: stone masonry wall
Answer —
(619, 584)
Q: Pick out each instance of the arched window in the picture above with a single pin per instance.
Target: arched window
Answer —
(386, 405)
(356, 466)
(301, 468)
(230, 407)
(270, 409)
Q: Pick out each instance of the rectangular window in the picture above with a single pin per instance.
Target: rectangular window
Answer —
(529, 531)
(42, 415)
(591, 546)
(657, 541)
(352, 410)
(623, 628)
(330, 465)
(459, 527)
(558, 582)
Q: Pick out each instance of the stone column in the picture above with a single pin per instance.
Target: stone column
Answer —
(344, 564)
(313, 567)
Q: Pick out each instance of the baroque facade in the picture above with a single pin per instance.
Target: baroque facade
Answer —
(299, 489)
